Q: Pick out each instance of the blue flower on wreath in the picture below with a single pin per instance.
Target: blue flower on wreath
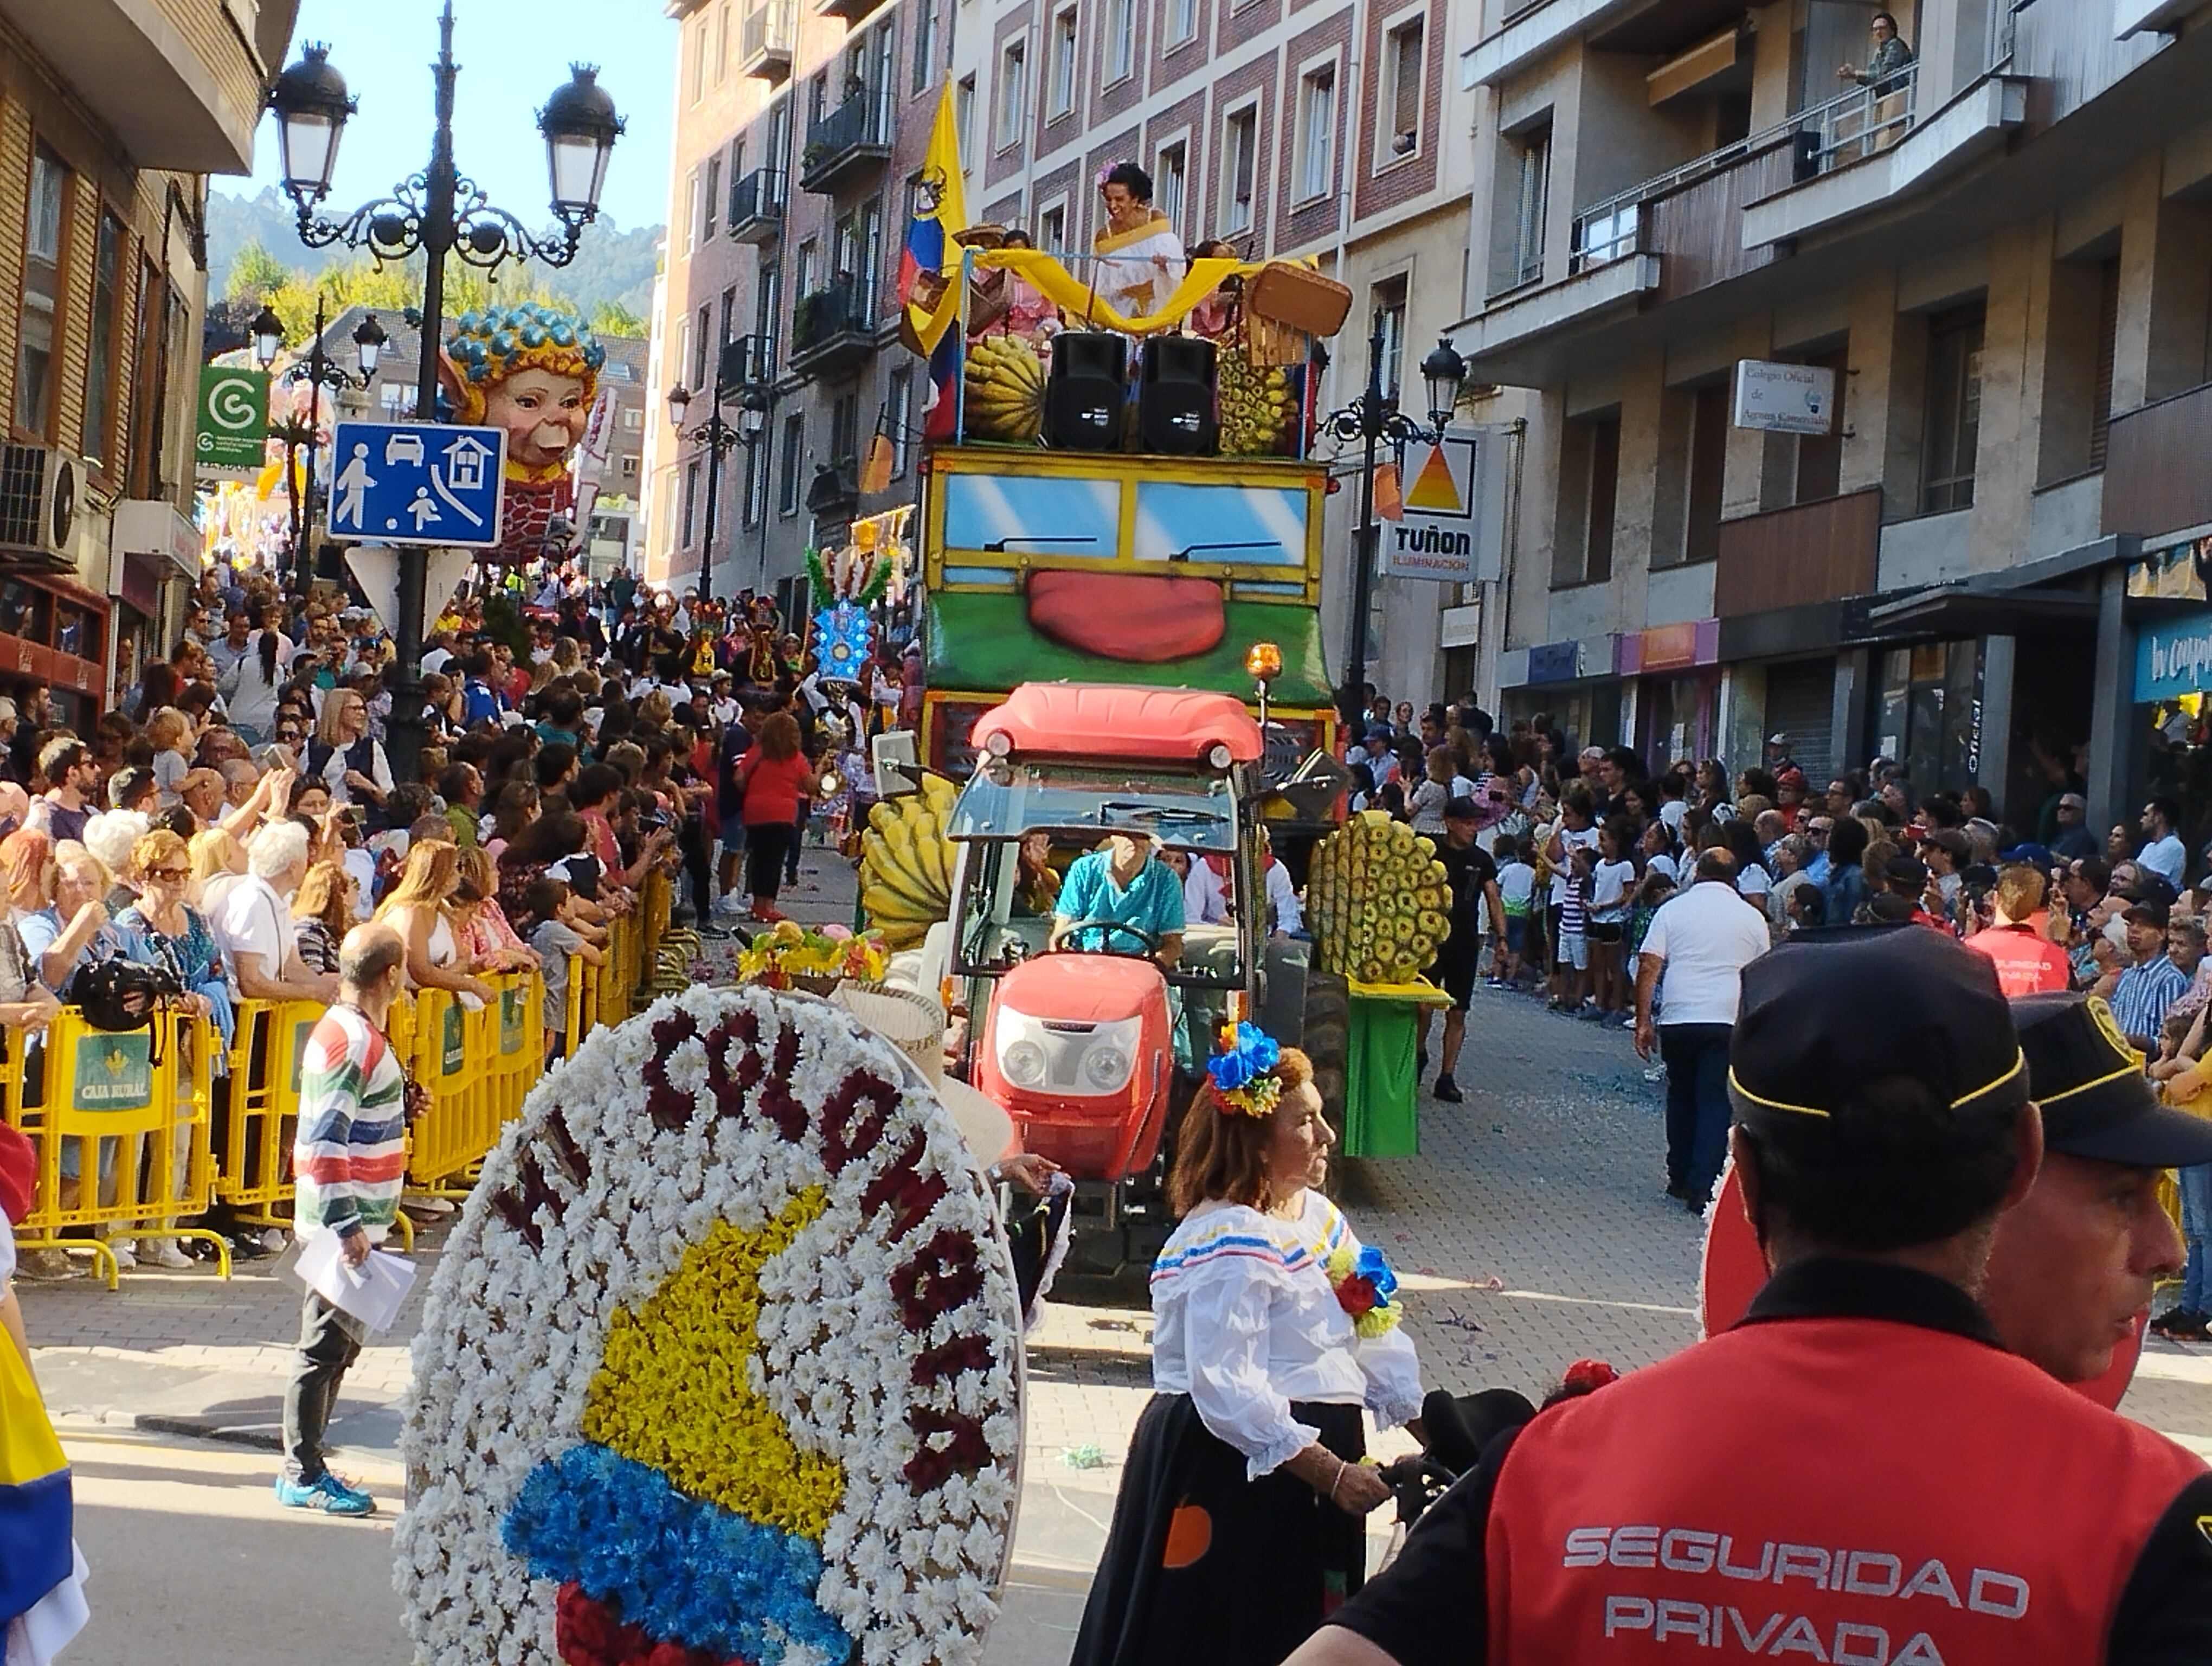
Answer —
(683, 1570)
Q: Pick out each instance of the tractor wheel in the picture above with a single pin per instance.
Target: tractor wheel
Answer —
(1325, 1036)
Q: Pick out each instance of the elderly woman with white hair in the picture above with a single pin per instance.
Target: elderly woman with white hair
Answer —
(110, 835)
(254, 922)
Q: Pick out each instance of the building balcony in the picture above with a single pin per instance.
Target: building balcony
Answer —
(832, 328)
(851, 10)
(2155, 480)
(765, 37)
(834, 493)
(1812, 552)
(176, 83)
(757, 206)
(847, 144)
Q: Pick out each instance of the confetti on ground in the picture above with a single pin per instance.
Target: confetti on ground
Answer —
(1084, 1457)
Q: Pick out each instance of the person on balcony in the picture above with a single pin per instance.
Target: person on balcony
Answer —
(1885, 72)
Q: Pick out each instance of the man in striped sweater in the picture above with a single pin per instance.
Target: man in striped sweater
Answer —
(348, 1157)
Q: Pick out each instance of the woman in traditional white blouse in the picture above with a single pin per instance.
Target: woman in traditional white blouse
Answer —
(1238, 1528)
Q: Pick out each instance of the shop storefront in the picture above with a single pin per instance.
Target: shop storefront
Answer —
(1677, 682)
(1571, 683)
(2174, 670)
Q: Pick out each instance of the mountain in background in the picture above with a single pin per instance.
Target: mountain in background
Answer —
(612, 266)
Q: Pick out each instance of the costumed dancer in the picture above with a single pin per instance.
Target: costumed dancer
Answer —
(1140, 258)
(1238, 1528)
(42, 1573)
(534, 372)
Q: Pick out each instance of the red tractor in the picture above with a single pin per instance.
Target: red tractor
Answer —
(1094, 1040)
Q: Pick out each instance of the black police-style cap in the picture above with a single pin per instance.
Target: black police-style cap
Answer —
(2090, 1087)
(1825, 1008)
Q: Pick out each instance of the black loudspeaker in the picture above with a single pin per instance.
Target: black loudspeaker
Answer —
(1175, 398)
(1087, 392)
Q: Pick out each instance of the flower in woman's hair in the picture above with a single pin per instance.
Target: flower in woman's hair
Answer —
(1239, 1074)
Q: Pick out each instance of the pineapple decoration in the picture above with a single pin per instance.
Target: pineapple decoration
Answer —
(1006, 389)
(1378, 900)
(1258, 405)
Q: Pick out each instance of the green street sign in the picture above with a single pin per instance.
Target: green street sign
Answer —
(234, 417)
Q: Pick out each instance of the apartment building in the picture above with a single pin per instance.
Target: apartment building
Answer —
(1321, 128)
(2003, 254)
(800, 125)
(112, 116)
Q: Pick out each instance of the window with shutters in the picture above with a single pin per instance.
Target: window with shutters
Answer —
(1589, 483)
(103, 379)
(1405, 68)
(710, 197)
(1954, 411)
(37, 330)
(1240, 167)
(1316, 151)
(1062, 64)
(1169, 190)
(1121, 39)
(1013, 94)
(2108, 331)
(794, 446)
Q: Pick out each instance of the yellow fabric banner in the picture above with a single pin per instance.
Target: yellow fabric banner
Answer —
(1080, 302)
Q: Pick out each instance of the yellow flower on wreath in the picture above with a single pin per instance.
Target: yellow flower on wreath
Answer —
(673, 1392)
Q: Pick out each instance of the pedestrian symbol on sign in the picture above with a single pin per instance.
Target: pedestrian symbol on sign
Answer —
(437, 484)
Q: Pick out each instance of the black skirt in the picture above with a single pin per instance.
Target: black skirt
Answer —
(1202, 1566)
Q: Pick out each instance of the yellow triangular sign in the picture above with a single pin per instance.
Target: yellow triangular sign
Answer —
(1434, 489)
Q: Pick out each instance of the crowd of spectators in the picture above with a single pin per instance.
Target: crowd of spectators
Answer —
(237, 810)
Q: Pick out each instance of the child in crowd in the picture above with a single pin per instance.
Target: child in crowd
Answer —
(548, 932)
(1571, 976)
(168, 731)
(1516, 889)
(1612, 875)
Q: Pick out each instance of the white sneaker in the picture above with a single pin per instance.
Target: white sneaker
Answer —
(163, 1252)
(729, 903)
(126, 1257)
(276, 1241)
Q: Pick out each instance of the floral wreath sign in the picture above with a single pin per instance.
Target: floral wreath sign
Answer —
(721, 1363)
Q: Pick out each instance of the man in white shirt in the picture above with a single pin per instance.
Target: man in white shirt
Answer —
(2163, 854)
(254, 921)
(1693, 960)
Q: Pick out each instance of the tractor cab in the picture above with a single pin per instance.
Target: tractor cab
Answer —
(1091, 1032)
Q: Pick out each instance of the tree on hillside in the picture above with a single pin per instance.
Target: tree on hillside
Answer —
(611, 318)
(256, 273)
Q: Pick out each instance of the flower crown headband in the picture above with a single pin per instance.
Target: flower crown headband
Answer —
(1240, 1077)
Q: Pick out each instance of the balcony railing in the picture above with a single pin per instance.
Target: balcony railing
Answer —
(835, 492)
(851, 10)
(840, 144)
(765, 38)
(833, 327)
(757, 206)
(2155, 480)
(1819, 139)
(1814, 552)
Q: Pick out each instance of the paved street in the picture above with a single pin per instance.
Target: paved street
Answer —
(1531, 1231)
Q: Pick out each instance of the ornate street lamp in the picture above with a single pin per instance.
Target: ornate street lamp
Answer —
(439, 211)
(268, 332)
(1373, 419)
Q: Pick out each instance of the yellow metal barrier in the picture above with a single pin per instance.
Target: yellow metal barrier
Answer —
(120, 1131)
(165, 1143)
(258, 1110)
(475, 1068)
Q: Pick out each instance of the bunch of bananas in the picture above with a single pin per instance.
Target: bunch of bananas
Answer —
(1378, 901)
(1005, 389)
(1257, 407)
(906, 862)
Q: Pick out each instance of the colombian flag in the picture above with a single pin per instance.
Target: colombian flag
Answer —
(940, 208)
(35, 1551)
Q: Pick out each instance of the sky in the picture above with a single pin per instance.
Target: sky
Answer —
(513, 54)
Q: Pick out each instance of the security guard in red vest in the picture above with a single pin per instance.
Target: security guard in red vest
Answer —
(1857, 1473)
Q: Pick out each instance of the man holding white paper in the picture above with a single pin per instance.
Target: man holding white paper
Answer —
(349, 1157)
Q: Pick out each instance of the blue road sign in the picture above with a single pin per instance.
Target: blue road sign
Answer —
(417, 483)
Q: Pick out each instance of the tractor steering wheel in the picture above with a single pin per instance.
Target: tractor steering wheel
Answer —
(1151, 943)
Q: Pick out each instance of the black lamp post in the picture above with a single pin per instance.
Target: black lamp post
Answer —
(1373, 419)
(718, 438)
(318, 372)
(755, 406)
(439, 211)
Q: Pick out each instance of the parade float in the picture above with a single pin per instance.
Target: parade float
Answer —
(721, 1362)
(533, 371)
